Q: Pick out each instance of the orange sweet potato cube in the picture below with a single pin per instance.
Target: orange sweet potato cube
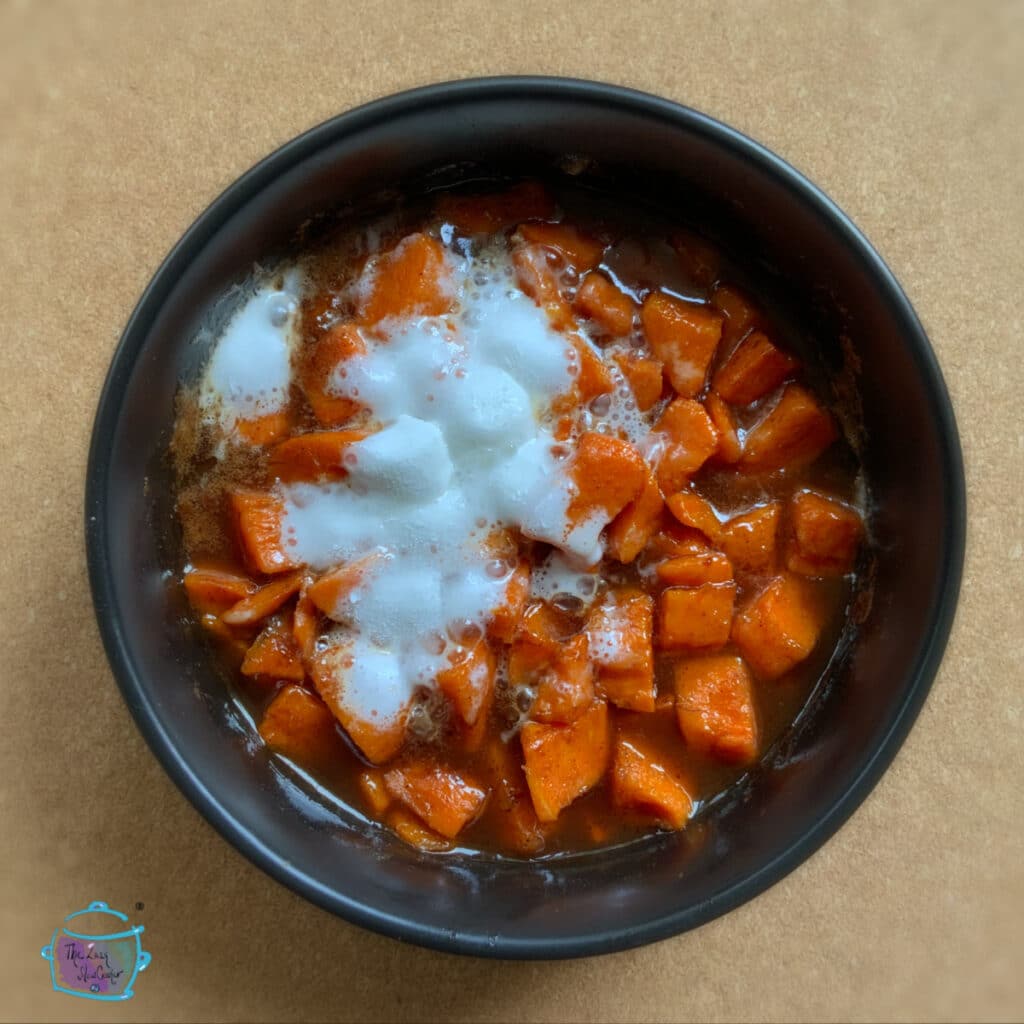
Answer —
(563, 762)
(258, 517)
(468, 682)
(565, 684)
(730, 447)
(332, 592)
(646, 377)
(378, 736)
(696, 569)
(825, 535)
(274, 653)
(339, 343)
(214, 590)
(608, 473)
(263, 601)
(265, 430)
(715, 707)
(592, 377)
(496, 211)
(684, 336)
(557, 666)
(739, 312)
(411, 279)
(537, 279)
(298, 725)
(515, 820)
(311, 456)
(642, 782)
(305, 624)
(606, 305)
(673, 540)
(578, 249)
(446, 800)
(695, 617)
(750, 539)
(505, 618)
(411, 830)
(795, 432)
(634, 526)
(690, 439)
(778, 628)
(756, 367)
(621, 629)
(375, 794)
(694, 511)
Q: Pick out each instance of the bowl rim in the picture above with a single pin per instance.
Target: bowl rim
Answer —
(213, 218)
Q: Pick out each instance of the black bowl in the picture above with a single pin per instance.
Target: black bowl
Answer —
(844, 297)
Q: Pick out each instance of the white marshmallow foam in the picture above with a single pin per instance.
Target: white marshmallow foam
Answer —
(465, 448)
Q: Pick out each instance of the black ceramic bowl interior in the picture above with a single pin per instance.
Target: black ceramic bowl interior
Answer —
(844, 297)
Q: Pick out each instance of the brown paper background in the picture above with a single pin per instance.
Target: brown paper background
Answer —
(120, 122)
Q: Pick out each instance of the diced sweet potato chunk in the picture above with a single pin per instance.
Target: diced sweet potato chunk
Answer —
(684, 336)
(495, 211)
(696, 512)
(444, 799)
(592, 377)
(338, 344)
(778, 628)
(694, 570)
(690, 440)
(793, 434)
(371, 785)
(608, 473)
(579, 250)
(468, 682)
(304, 624)
(750, 539)
(274, 653)
(740, 313)
(606, 305)
(258, 517)
(332, 592)
(641, 783)
(556, 666)
(506, 616)
(213, 590)
(646, 377)
(730, 447)
(378, 734)
(633, 527)
(226, 637)
(756, 367)
(621, 647)
(511, 808)
(825, 536)
(315, 455)
(298, 725)
(565, 761)
(538, 279)
(410, 829)
(264, 601)
(565, 687)
(673, 540)
(695, 617)
(264, 430)
(715, 707)
(411, 279)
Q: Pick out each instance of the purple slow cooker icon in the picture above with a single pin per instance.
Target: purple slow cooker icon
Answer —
(100, 962)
